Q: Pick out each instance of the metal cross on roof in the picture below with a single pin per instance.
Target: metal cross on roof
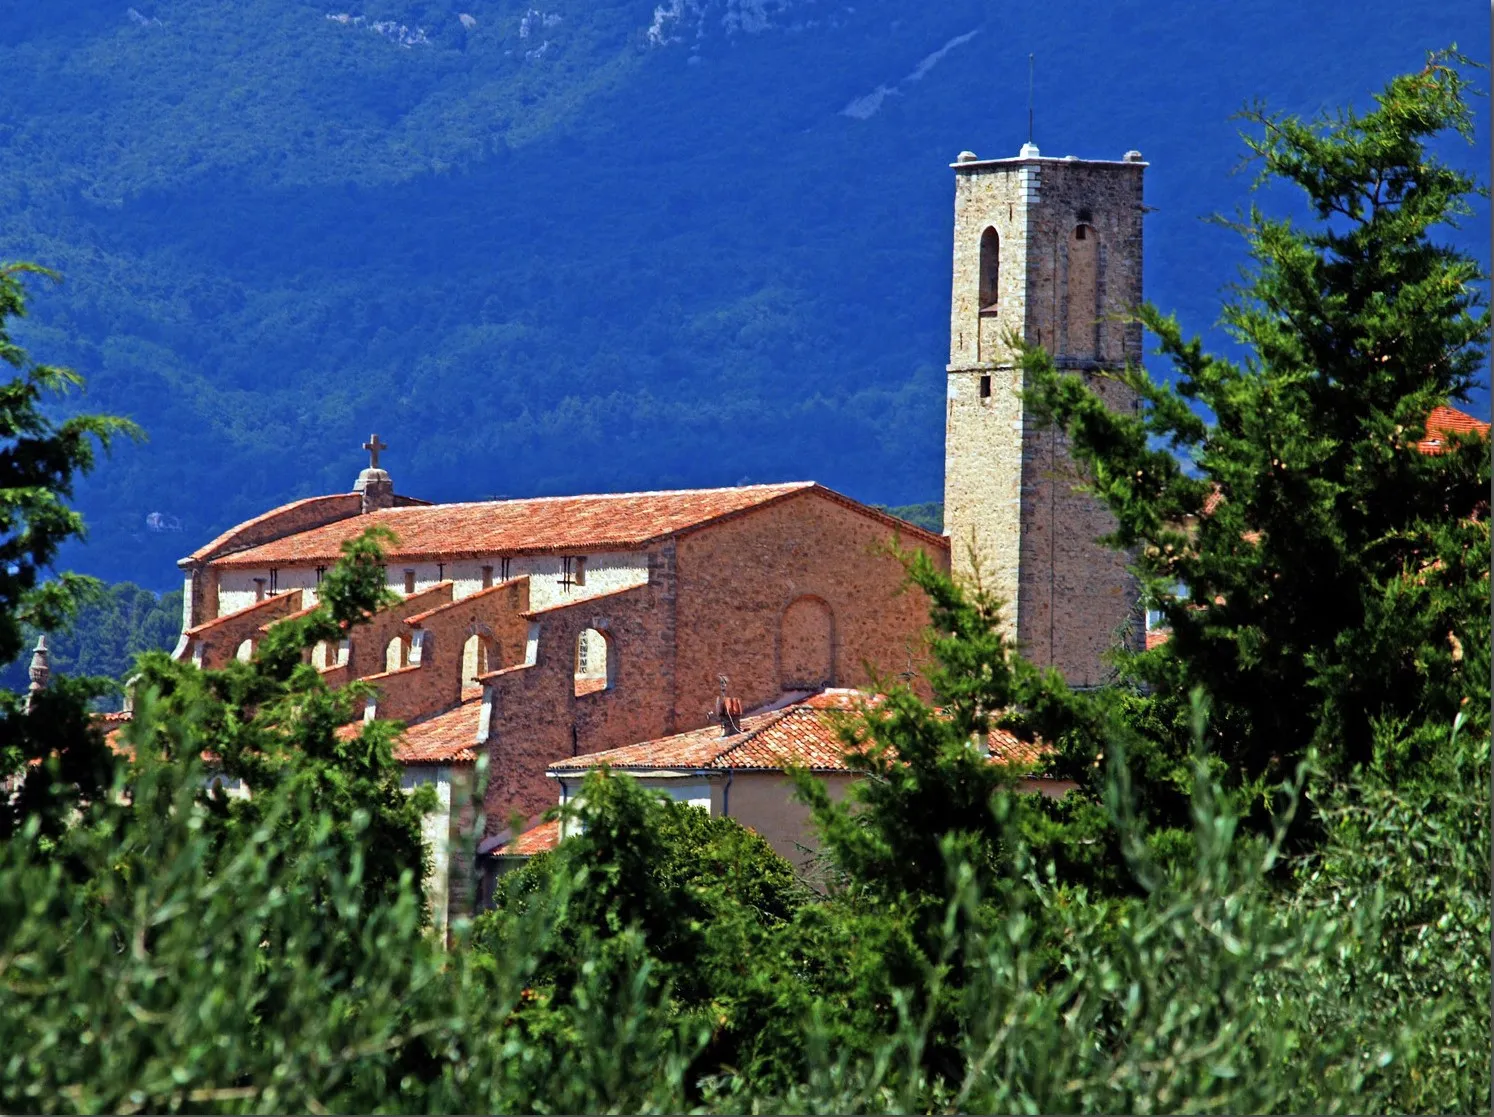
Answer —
(373, 446)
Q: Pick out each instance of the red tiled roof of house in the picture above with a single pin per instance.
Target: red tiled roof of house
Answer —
(611, 521)
(446, 738)
(1444, 421)
(537, 839)
(801, 734)
(1156, 637)
(349, 500)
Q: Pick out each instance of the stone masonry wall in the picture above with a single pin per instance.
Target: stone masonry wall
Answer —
(739, 578)
(214, 644)
(535, 717)
(1011, 505)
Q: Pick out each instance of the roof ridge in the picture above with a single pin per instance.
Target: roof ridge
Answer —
(442, 505)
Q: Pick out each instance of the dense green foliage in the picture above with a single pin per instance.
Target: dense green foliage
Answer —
(1166, 938)
(1296, 542)
(110, 628)
(521, 257)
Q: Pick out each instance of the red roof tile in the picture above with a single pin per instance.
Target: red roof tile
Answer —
(541, 524)
(1444, 421)
(537, 839)
(349, 503)
(446, 738)
(1156, 637)
(610, 521)
(803, 734)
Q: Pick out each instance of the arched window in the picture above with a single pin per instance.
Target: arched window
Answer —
(596, 665)
(1084, 286)
(477, 657)
(245, 652)
(396, 654)
(990, 269)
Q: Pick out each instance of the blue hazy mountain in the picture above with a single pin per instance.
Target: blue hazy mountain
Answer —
(586, 245)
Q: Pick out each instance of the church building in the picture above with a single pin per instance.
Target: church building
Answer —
(539, 630)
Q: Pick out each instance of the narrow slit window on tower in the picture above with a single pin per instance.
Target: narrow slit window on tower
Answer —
(985, 386)
(990, 269)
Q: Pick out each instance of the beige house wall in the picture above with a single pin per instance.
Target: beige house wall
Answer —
(765, 802)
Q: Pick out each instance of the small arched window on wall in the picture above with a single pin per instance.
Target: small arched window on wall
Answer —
(396, 654)
(596, 665)
(245, 651)
(990, 270)
(477, 658)
(1083, 293)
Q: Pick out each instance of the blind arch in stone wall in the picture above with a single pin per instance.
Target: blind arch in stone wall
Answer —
(1084, 293)
(806, 644)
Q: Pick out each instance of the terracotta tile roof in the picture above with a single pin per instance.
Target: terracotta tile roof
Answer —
(537, 839)
(446, 738)
(350, 501)
(539, 525)
(618, 521)
(1156, 637)
(1444, 421)
(802, 734)
(1008, 748)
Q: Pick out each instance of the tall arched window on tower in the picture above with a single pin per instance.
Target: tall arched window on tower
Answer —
(1084, 290)
(990, 269)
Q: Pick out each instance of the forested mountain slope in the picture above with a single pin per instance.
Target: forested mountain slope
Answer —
(585, 246)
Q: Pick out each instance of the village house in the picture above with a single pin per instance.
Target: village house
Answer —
(740, 768)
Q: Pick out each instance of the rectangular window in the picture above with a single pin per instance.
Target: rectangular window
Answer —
(985, 387)
(440, 572)
(409, 581)
(572, 571)
(487, 577)
(274, 580)
(503, 570)
(321, 572)
(259, 589)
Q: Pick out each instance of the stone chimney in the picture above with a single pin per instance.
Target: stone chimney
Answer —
(40, 670)
(374, 484)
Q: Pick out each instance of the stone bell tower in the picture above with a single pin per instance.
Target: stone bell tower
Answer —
(1050, 249)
